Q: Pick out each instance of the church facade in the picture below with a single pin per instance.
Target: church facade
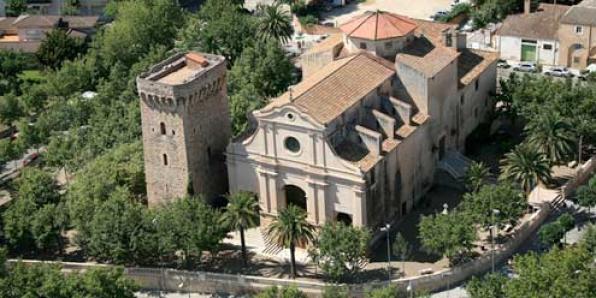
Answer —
(359, 139)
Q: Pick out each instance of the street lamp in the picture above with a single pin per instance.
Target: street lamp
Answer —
(386, 229)
(409, 289)
(445, 209)
(493, 233)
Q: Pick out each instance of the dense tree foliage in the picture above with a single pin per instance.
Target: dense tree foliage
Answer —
(57, 47)
(274, 23)
(586, 194)
(11, 65)
(341, 250)
(262, 71)
(35, 218)
(526, 167)
(48, 281)
(494, 204)
(284, 292)
(488, 286)
(10, 109)
(15, 8)
(476, 176)
(448, 235)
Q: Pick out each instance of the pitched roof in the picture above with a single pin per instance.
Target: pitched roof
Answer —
(581, 14)
(427, 57)
(48, 21)
(541, 24)
(472, 63)
(378, 25)
(432, 30)
(336, 87)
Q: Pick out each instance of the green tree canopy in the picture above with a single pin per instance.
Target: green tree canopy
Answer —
(241, 213)
(447, 234)
(488, 286)
(274, 23)
(552, 135)
(482, 205)
(289, 229)
(476, 176)
(10, 109)
(48, 281)
(526, 167)
(586, 194)
(57, 47)
(341, 249)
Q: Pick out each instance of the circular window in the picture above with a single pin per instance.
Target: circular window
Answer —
(292, 144)
(290, 116)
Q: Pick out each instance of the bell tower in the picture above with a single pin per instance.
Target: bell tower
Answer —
(186, 126)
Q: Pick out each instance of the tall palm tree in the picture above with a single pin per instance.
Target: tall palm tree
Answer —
(289, 229)
(526, 166)
(476, 175)
(241, 213)
(275, 23)
(551, 135)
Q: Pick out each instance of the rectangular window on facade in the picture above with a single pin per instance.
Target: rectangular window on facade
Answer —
(461, 100)
(388, 45)
(363, 45)
(547, 46)
(579, 29)
(575, 59)
(476, 84)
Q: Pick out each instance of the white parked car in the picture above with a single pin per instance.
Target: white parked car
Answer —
(558, 71)
(525, 67)
(439, 14)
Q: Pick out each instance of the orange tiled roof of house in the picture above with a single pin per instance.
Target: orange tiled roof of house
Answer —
(378, 25)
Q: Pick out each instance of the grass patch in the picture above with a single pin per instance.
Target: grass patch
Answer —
(32, 76)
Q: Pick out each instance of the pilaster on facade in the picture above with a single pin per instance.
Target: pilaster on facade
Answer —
(359, 210)
(316, 201)
(268, 186)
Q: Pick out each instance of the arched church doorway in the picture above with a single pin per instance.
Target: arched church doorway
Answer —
(295, 196)
(344, 218)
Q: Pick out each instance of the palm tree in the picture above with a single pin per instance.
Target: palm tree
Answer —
(526, 166)
(275, 23)
(551, 135)
(289, 229)
(241, 213)
(476, 175)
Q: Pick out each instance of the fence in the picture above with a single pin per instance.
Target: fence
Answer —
(207, 282)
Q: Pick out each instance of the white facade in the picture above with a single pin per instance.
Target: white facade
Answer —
(546, 53)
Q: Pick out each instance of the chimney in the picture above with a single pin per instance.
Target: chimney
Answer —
(459, 40)
(527, 6)
(447, 38)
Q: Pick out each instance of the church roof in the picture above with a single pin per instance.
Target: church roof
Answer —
(336, 87)
(378, 25)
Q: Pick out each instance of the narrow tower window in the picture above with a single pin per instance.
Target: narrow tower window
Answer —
(165, 159)
(162, 128)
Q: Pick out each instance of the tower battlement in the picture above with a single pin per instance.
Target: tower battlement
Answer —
(186, 126)
(181, 80)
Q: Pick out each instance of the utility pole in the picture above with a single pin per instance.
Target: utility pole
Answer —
(386, 229)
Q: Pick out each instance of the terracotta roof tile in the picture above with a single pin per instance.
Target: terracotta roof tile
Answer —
(542, 24)
(331, 42)
(378, 25)
(336, 87)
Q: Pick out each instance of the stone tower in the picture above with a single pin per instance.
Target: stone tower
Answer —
(186, 126)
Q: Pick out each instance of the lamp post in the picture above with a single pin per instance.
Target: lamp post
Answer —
(445, 209)
(154, 221)
(492, 237)
(410, 290)
(386, 229)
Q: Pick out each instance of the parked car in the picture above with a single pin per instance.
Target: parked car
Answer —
(503, 64)
(439, 14)
(558, 72)
(525, 67)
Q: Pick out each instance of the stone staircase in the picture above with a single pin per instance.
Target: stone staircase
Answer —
(455, 164)
(451, 170)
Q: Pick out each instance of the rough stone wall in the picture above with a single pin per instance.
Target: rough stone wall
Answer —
(197, 129)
